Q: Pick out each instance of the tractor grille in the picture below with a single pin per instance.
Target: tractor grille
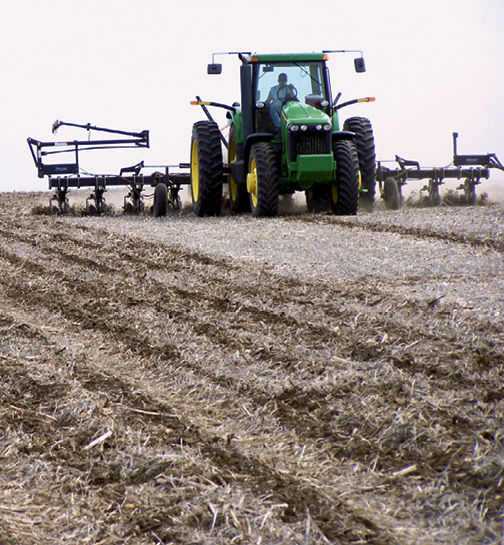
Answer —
(310, 142)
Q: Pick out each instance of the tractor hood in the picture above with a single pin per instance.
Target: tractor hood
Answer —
(303, 114)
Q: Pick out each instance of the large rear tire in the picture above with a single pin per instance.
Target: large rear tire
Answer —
(206, 169)
(262, 180)
(345, 192)
(364, 139)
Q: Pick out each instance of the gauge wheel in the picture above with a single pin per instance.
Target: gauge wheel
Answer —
(391, 194)
(160, 200)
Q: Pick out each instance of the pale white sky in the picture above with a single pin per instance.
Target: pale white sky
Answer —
(434, 66)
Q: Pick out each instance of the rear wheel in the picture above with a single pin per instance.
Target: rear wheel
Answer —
(160, 200)
(345, 192)
(206, 169)
(364, 140)
(262, 180)
(237, 192)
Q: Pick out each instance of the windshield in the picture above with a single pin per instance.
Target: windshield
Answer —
(307, 79)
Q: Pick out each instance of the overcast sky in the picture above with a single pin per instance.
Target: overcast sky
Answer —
(434, 66)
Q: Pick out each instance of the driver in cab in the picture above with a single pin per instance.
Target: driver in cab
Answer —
(276, 97)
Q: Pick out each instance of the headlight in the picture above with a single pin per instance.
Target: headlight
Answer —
(327, 127)
(303, 127)
(318, 127)
(293, 128)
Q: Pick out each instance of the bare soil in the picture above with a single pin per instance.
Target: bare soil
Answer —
(304, 379)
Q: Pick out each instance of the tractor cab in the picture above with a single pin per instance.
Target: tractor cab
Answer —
(294, 89)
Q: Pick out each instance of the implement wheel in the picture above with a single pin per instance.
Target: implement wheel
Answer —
(160, 200)
(206, 169)
(433, 190)
(364, 140)
(345, 192)
(262, 180)
(470, 192)
(391, 194)
(237, 192)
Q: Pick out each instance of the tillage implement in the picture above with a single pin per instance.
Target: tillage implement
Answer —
(469, 169)
(65, 175)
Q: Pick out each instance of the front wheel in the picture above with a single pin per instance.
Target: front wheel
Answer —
(345, 192)
(206, 169)
(262, 180)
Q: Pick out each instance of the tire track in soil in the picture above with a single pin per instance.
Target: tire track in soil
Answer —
(319, 334)
(262, 479)
(297, 410)
(170, 352)
(280, 293)
(274, 317)
(416, 232)
(218, 303)
(332, 515)
(41, 437)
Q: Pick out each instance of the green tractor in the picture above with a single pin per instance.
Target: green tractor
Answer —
(284, 136)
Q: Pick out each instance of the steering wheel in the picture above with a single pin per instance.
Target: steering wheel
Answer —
(285, 93)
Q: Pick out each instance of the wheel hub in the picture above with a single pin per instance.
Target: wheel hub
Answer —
(252, 182)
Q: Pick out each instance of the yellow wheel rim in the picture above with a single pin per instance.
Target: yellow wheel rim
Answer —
(252, 182)
(194, 171)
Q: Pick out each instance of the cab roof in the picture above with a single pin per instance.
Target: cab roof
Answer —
(287, 57)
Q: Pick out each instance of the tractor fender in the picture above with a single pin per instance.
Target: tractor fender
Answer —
(343, 135)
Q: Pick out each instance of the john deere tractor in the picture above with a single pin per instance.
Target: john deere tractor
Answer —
(284, 136)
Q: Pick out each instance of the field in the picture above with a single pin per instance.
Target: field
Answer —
(306, 379)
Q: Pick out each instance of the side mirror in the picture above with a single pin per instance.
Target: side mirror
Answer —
(214, 69)
(360, 65)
